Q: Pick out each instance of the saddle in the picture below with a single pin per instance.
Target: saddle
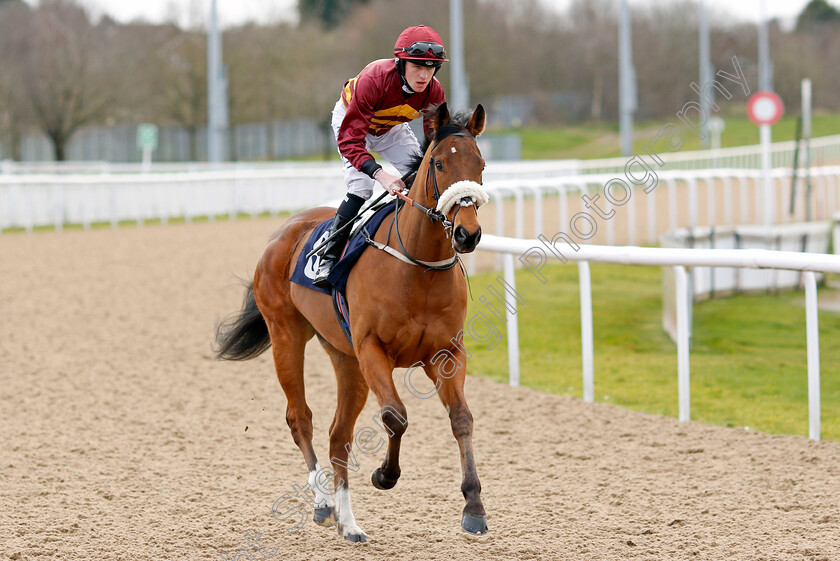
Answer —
(363, 229)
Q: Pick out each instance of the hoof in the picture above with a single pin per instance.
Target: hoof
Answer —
(474, 524)
(380, 481)
(356, 538)
(324, 516)
(354, 535)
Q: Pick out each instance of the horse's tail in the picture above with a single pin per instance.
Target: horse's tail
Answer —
(243, 335)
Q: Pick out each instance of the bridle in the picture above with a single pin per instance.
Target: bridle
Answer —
(472, 195)
(433, 214)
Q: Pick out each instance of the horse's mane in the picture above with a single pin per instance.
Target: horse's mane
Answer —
(457, 122)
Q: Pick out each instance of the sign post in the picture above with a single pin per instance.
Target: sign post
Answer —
(764, 109)
(716, 126)
(147, 140)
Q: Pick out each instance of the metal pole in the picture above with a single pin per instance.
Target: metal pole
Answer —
(626, 80)
(806, 108)
(683, 375)
(460, 88)
(586, 331)
(512, 322)
(796, 159)
(215, 98)
(806, 137)
(705, 72)
(693, 204)
(813, 334)
(769, 199)
(765, 80)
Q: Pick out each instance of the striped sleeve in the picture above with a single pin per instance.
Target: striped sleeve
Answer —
(360, 96)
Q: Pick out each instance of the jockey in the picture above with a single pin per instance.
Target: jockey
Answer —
(373, 114)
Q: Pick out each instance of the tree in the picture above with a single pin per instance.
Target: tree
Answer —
(66, 71)
(330, 13)
(182, 82)
(15, 113)
(815, 13)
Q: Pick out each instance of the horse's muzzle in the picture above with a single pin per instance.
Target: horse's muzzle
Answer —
(464, 241)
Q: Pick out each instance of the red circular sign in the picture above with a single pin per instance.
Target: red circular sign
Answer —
(765, 108)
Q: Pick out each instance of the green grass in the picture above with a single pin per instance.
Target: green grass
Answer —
(748, 356)
(602, 140)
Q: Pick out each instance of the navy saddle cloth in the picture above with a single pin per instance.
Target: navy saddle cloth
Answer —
(307, 269)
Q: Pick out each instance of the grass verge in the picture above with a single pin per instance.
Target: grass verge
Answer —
(602, 140)
(748, 355)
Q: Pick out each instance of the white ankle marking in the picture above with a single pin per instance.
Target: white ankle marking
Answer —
(322, 496)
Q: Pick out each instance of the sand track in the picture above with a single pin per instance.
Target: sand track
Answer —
(123, 439)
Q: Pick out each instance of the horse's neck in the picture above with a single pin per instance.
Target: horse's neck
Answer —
(422, 238)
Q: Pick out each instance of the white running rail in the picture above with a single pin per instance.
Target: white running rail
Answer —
(30, 201)
(526, 250)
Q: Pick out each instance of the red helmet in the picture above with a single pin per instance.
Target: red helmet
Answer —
(420, 43)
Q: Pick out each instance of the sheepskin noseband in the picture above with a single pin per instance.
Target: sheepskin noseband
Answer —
(458, 192)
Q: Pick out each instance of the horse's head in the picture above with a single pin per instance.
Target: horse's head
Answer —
(453, 182)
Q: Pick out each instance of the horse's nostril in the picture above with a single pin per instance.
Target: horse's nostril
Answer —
(461, 234)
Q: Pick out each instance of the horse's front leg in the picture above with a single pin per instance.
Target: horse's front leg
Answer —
(378, 371)
(448, 374)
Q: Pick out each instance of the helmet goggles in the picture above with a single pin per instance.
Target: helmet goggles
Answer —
(422, 48)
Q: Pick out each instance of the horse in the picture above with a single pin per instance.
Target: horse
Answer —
(415, 315)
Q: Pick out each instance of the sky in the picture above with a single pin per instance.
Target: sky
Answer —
(233, 12)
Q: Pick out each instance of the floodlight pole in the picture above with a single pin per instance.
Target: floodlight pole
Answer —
(707, 94)
(806, 137)
(765, 72)
(626, 81)
(460, 99)
(216, 91)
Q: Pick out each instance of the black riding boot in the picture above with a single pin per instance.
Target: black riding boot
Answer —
(332, 251)
(347, 211)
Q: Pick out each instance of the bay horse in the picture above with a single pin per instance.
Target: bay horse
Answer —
(401, 315)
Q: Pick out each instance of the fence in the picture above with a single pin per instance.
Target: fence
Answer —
(823, 151)
(718, 185)
(277, 139)
(679, 259)
(37, 200)
(34, 200)
(31, 200)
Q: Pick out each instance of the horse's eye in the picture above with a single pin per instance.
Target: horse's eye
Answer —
(439, 166)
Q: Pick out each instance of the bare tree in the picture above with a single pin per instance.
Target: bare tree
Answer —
(181, 79)
(66, 71)
(15, 112)
(329, 13)
(58, 71)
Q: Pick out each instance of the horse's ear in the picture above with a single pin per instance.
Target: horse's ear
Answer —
(477, 121)
(441, 116)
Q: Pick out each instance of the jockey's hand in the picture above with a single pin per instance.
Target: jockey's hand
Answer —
(391, 183)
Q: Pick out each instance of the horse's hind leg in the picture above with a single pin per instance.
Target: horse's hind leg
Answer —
(288, 341)
(352, 394)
